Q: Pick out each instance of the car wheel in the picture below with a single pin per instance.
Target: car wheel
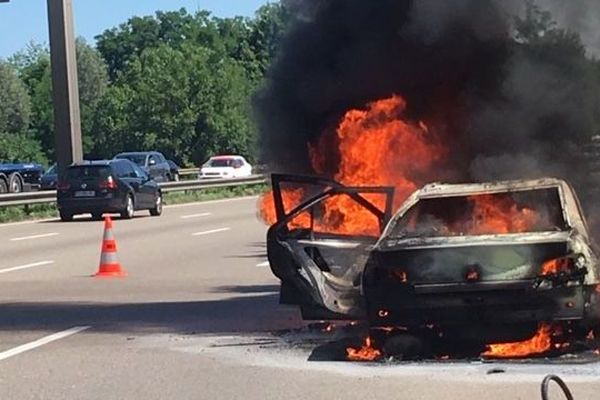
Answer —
(3, 186)
(158, 206)
(65, 216)
(15, 184)
(97, 216)
(129, 210)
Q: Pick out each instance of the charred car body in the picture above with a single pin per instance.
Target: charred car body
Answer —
(482, 263)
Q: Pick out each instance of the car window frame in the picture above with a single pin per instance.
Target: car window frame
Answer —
(139, 172)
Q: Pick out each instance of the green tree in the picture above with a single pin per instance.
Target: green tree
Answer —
(15, 109)
(268, 28)
(15, 147)
(93, 84)
(34, 70)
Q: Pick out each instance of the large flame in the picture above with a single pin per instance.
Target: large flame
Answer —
(376, 146)
(379, 146)
(538, 344)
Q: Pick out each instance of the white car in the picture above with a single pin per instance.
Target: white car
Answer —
(224, 167)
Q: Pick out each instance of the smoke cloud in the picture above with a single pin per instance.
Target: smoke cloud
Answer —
(502, 110)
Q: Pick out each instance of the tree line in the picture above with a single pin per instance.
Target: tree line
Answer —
(177, 82)
(182, 83)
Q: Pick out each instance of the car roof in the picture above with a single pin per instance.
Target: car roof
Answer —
(97, 163)
(137, 153)
(225, 157)
(448, 190)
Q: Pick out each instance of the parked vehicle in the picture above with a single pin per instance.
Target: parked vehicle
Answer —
(223, 167)
(49, 180)
(153, 162)
(115, 186)
(482, 263)
(20, 177)
(174, 170)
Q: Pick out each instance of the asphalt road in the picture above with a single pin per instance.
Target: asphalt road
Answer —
(193, 320)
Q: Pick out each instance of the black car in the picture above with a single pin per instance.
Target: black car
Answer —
(153, 162)
(115, 186)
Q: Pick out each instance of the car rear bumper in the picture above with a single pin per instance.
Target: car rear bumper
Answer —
(516, 302)
(81, 206)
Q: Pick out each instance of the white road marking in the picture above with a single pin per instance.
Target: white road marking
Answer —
(37, 264)
(206, 214)
(43, 235)
(211, 231)
(263, 264)
(40, 342)
(193, 204)
(35, 221)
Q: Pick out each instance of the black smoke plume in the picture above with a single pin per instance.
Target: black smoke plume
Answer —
(503, 107)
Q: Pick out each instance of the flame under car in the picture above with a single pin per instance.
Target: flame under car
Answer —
(479, 263)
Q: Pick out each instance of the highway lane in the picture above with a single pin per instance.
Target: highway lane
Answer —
(158, 333)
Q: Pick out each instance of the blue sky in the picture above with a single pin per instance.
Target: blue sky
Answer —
(22, 21)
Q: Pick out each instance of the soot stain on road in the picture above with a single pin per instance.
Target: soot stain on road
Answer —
(321, 347)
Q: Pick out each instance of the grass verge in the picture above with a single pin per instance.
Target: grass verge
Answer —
(42, 211)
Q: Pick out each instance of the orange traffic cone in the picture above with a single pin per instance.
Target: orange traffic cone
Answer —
(109, 265)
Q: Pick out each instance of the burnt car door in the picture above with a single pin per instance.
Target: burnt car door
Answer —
(321, 240)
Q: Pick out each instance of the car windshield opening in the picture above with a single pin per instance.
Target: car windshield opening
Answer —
(530, 211)
(221, 162)
(84, 172)
(139, 159)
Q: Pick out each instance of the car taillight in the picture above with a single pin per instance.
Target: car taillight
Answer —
(109, 183)
(63, 186)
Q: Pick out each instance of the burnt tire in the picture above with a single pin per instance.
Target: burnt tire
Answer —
(158, 206)
(129, 209)
(65, 216)
(15, 183)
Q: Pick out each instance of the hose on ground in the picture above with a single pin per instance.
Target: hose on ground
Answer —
(563, 386)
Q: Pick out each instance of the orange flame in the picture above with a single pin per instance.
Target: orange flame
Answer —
(555, 266)
(366, 353)
(538, 344)
(494, 215)
(376, 146)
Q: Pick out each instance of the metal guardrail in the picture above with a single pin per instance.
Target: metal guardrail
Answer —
(45, 197)
(189, 171)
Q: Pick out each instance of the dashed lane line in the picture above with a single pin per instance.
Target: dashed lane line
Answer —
(211, 232)
(263, 264)
(41, 342)
(27, 266)
(206, 214)
(40, 236)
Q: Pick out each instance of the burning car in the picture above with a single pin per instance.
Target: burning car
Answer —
(468, 263)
